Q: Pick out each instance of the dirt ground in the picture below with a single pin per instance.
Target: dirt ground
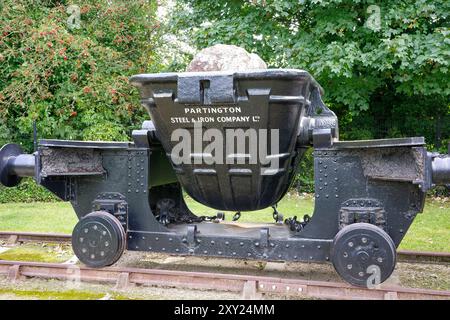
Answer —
(429, 276)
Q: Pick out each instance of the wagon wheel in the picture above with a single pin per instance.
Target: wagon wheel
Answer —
(363, 254)
(98, 239)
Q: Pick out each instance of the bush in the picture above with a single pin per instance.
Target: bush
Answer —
(26, 191)
(73, 81)
(304, 180)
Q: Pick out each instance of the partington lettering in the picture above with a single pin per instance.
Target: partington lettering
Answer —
(211, 110)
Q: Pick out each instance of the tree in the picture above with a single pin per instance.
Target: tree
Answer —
(65, 65)
(384, 65)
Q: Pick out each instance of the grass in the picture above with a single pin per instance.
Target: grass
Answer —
(37, 217)
(43, 293)
(430, 230)
(51, 253)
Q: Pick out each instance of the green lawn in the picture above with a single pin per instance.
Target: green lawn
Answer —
(430, 230)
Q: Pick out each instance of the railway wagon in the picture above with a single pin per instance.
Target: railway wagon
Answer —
(233, 142)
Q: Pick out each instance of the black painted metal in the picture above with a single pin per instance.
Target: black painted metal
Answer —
(373, 187)
(272, 99)
(98, 240)
(363, 254)
(14, 165)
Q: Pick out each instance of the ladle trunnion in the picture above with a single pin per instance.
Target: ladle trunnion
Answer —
(129, 195)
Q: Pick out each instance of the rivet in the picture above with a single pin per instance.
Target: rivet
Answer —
(227, 243)
(318, 247)
(241, 244)
(257, 244)
(156, 238)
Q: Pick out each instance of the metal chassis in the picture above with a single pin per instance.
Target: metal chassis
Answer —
(339, 175)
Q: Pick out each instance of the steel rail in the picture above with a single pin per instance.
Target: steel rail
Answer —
(17, 237)
(403, 255)
(251, 287)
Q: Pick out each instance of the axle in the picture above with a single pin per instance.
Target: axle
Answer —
(440, 168)
(14, 165)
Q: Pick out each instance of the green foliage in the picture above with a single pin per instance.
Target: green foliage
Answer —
(383, 80)
(26, 191)
(73, 81)
(304, 180)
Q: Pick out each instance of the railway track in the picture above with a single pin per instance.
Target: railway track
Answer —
(402, 255)
(251, 287)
